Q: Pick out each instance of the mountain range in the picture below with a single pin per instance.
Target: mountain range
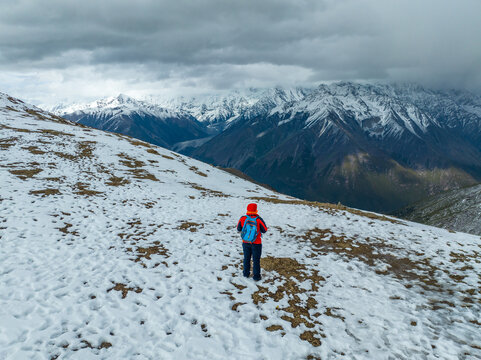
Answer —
(371, 146)
(115, 248)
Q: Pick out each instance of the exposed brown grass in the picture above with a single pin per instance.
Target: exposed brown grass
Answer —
(51, 132)
(34, 150)
(45, 192)
(84, 149)
(152, 151)
(309, 336)
(236, 305)
(8, 142)
(149, 204)
(290, 273)
(206, 192)
(139, 143)
(124, 289)
(191, 226)
(373, 252)
(136, 168)
(71, 157)
(25, 174)
(83, 190)
(56, 179)
(142, 174)
(66, 231)
(196, 170)
(274, 328)
(117, 181)
(146, 252)
(130, 162)
(3, 126)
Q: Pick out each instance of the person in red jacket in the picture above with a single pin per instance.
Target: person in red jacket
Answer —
(252, 249)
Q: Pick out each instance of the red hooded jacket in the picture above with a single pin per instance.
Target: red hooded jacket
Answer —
(261, 228)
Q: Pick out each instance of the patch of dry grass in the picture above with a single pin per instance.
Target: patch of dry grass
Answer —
(142, 253)
(84, 149)
(139, 143)
(152, 151)
(274, 328)
(142, 174)
(51, 132)
(66, 231)
(83, 190)
(191, 226)
(34, 150)
(196, 170)
(5, 144)
(25, 174)
(124, 289)
(136, 168)
(145, 252)
(129, 161)
(117, 181)
(290, 273)
(374, 252)
(45, 192)
(206, 192)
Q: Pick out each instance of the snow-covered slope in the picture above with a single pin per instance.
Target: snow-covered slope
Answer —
(115, 248)
(458, 210)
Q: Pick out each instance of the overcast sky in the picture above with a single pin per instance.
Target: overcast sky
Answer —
(69, 51)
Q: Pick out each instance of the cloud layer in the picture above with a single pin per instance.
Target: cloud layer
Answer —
(80, 49)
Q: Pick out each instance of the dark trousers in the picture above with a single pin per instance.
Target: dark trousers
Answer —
(254, 251)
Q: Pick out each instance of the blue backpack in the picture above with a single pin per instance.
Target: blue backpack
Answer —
(249, 230)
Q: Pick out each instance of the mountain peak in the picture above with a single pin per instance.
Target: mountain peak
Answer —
(122, 98)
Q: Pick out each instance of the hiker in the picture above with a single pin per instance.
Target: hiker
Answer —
(251, 227)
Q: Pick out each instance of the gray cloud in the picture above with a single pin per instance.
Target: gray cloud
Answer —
(227, 43)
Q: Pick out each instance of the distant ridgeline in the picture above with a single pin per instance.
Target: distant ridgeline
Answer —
(371, 146)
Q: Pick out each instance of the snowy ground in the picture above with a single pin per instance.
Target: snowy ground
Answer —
(112, 248)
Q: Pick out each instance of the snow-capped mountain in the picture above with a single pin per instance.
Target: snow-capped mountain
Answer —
(458, 210)
(142, 120)
(112, 106)
(371, 146)
(218, 111)
(115, 248)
